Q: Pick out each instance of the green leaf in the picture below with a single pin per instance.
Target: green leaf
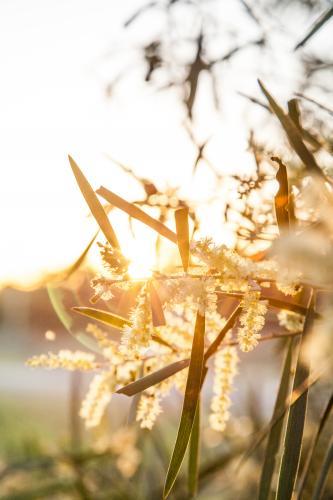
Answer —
(105, 317)
(183, 235)
(296, 419)
(316, 26)
(137, 213)
(113, 320)
(94, 204)
(193, 458)
(320, 484)
(275, 433)
(310, 469)
(293, 134)
(153, 378)
(58, 297)
(192, 392)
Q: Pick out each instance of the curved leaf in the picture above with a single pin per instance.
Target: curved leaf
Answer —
(57, 298)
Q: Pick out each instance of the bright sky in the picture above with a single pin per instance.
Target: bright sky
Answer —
(54, 63)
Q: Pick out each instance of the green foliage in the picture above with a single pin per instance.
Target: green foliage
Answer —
(191, 398)
(194, 451)
(296, 420)
(275, 434)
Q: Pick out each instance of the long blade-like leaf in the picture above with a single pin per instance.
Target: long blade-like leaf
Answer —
(153, 378)
(137, 213)
(312, 463)
(166, 372)
(275, 434)
(293, 134)
(183, 235)
(291, 401)
(316, 26)
(103, 316)
(320, 485)
(114, 321)
(193, 458)
(192, 393)
(296, 420)
(94, 204)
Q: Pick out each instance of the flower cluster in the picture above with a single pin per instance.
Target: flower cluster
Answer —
(226, 361)
(252, 320)
(137, 336)
(291, 321)
(122, 444)
(69, 360)
(145, 348)
(114, 262)
(149, 408)
(97, 398)
(110, 348)
(230, 264)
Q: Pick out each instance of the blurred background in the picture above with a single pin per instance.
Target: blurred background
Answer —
(159, 102)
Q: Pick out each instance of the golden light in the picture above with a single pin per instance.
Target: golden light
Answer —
(138, 270)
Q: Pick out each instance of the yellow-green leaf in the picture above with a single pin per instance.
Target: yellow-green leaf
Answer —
(58, 297)
(105, 317)
(156, 307)
(94, 204)
(183, 235)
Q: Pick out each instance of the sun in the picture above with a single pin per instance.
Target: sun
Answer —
(139, 269)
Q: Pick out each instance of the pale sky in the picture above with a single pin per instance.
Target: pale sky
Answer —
(55, 57)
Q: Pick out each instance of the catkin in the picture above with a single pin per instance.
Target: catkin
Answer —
(226, 361)
(252, 320)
